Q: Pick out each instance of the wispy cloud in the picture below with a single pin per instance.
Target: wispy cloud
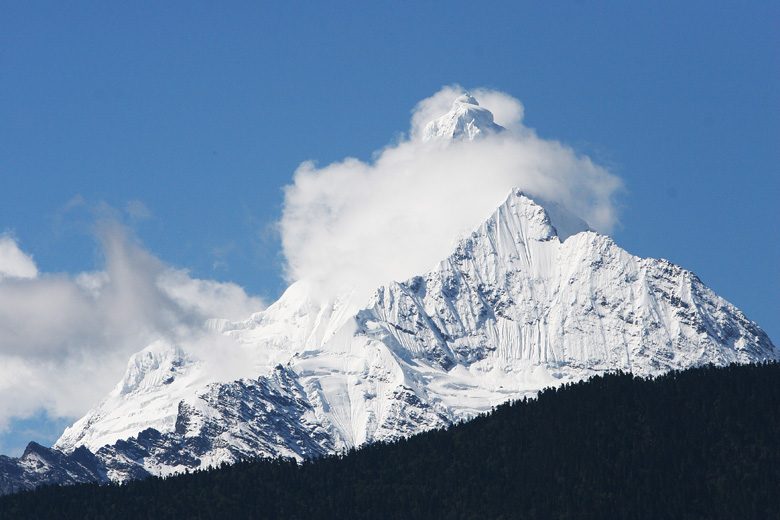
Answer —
(14, 263)
(137, 210)
(66, 339)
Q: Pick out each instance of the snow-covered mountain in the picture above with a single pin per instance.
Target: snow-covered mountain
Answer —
(532, 298)
(466, 121)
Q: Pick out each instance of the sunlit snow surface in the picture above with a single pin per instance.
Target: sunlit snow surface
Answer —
(513, 310)
(533, 298)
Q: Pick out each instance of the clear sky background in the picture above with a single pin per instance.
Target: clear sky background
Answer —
(184, 120)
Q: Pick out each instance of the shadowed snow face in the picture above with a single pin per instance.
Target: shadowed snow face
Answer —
(361, 224)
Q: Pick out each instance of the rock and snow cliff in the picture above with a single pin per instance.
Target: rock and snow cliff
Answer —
(532, 298)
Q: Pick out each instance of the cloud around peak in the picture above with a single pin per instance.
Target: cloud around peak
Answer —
(361, 225)
(507, 111)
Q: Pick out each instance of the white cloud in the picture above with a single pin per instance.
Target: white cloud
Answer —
(66, 340)
(207, 297)
(13, 262)
(363, 224)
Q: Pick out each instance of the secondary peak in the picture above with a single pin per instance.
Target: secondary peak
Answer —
(466, 120)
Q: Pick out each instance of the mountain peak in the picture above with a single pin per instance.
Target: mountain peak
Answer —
(530, 299)
(466, 120)
(467, 99)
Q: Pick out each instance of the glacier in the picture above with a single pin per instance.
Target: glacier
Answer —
(532, 298)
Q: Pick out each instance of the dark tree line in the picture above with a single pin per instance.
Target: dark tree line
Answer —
(699, 444)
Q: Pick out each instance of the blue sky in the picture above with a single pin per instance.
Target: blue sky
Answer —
(183, 121)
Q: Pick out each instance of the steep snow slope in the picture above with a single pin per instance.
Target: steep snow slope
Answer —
(512, 310)
(513, 292)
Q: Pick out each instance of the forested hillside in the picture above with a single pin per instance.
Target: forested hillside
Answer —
(704, 443)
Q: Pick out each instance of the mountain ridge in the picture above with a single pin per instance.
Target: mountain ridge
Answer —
(512, 310)
(532, 298)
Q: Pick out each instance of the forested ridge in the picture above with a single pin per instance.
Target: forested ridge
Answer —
(703, 443)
